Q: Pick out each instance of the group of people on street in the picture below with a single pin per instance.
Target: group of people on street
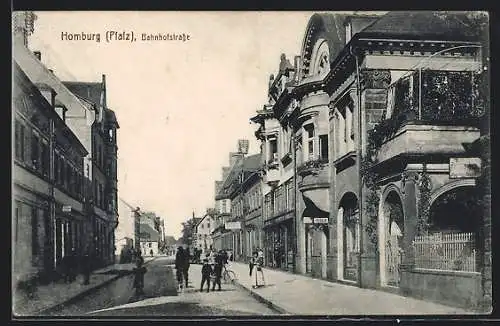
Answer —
(73, 263)
(213, 264)
(212, 267)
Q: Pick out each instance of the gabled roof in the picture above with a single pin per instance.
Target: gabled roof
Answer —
(196, 221)
(111, 117)
(428, 25)
(127, 204)
(39, 73)
(153, 234)
(248, 163)
(26, 94)
(90, 91)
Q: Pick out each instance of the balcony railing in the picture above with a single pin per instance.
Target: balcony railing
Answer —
(443, 97)
(434, 102)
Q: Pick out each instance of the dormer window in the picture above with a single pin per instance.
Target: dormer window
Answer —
(61, 111)
(323, 64)
(321, 58)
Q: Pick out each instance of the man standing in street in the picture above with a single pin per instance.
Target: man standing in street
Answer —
(185, 266)
(179, 266)
(86, 266)
(219, 260)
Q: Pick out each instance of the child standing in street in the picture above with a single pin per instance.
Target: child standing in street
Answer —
(139, 272)
(206, 272)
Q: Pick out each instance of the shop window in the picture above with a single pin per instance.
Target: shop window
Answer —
(34, 231)
(68, 177)
(35, 152)
(45, 159)
(19, 140)
(56, 168)
(63, 172)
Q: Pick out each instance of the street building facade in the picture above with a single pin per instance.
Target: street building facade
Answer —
(48, 197)
(222, 238)
(376, 122)
(125, 231)
(149, 240)
(104, 165)
(278, 170)
(83, 115)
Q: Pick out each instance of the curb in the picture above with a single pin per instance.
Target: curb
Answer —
(263, 300)
(83, 294)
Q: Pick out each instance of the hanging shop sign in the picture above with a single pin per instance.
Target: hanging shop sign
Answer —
(232, 225)
(320, 220)
(308, 220)
(465, 167)
(66, 209)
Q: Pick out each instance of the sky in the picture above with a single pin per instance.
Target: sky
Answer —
(181, 105)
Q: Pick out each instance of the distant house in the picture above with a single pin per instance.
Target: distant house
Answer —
(170, 245)
(149, 239)
(125, 232)
(202, 233)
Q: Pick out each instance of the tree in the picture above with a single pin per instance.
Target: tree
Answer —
(187, 231)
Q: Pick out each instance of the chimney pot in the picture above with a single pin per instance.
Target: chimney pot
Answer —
(38, 55)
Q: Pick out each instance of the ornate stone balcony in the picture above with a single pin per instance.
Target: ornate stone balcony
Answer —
(313, 174)
(418, 139)
(271, 176)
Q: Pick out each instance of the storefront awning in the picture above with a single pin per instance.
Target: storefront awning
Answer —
(312, 211)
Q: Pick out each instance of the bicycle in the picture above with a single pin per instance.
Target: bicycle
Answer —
(228, 276)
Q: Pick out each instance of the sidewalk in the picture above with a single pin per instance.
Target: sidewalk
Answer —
(53, 295)
(302, 295)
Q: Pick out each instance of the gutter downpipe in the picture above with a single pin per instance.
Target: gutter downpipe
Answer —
(359, 155)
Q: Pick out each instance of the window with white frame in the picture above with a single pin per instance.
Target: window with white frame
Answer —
(309, 152)
(344, 134)
(273, 149)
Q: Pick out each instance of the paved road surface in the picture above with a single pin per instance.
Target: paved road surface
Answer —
(161, 299)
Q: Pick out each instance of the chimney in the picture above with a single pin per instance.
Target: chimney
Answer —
(243, 146)
(38, 55)
(51, 70)
(23, 26)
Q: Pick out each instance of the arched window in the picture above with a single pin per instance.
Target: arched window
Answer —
(320, 63)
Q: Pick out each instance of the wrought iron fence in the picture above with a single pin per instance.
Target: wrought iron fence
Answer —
(446, 251)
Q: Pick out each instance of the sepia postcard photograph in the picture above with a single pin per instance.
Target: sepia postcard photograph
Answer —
(250, 164)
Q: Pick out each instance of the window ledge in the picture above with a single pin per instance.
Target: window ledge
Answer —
(345, 161)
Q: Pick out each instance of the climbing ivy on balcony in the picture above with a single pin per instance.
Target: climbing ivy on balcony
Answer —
(311, 165)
